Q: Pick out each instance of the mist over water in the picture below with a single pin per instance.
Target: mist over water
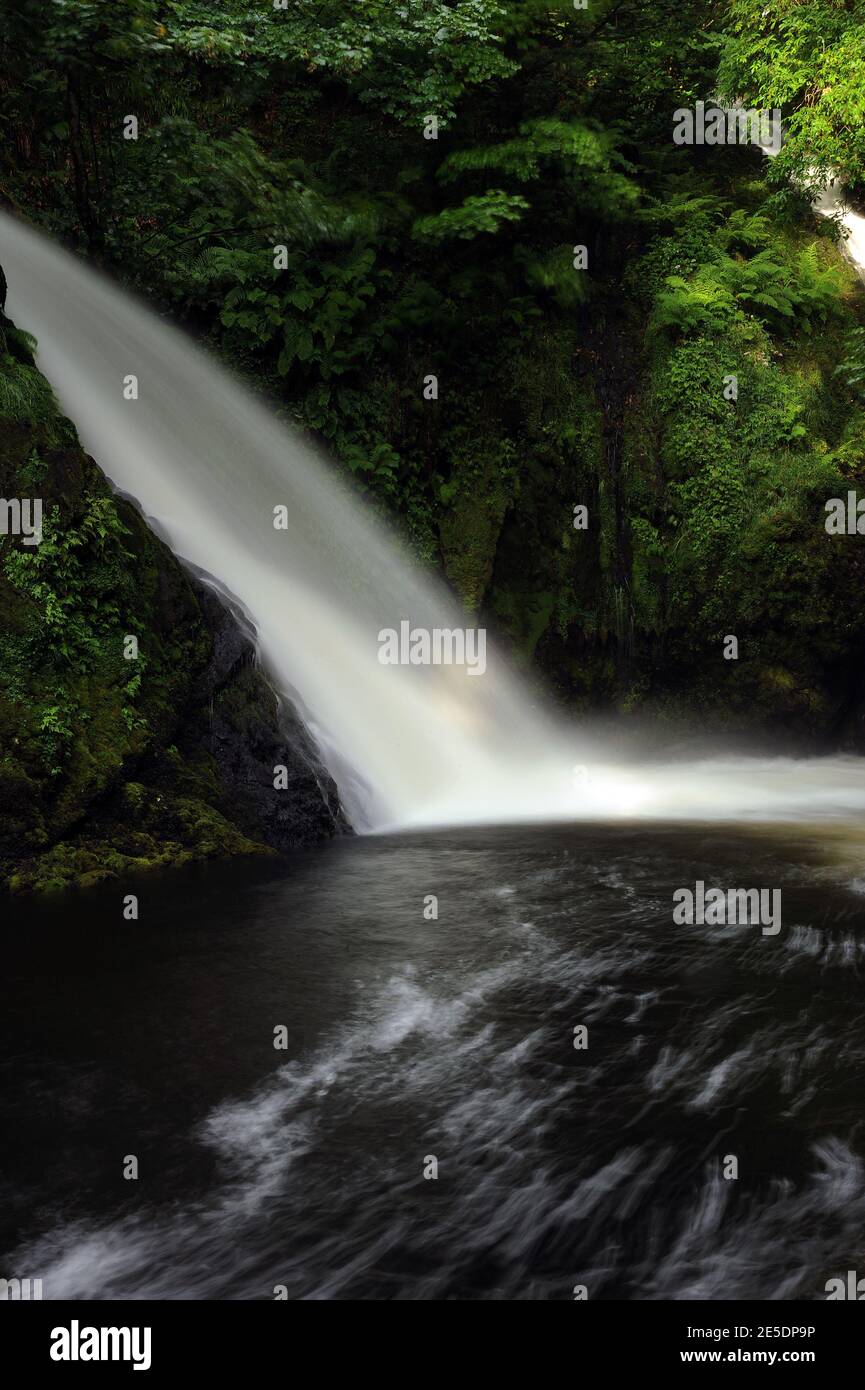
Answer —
(407, 746)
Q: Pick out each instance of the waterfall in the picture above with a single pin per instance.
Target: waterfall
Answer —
(407, 745)
(208, 463)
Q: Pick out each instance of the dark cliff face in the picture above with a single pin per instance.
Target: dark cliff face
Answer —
(112, 761)
(237, 718)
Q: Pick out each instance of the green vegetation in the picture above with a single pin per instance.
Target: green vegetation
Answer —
(727, 494)
(807, 61)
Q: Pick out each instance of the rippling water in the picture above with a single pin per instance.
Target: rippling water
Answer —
(409, 1038)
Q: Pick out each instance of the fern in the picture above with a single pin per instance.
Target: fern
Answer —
(697, 306)
(24, 393)
(678, 209)
(746, 232)
(804, 293)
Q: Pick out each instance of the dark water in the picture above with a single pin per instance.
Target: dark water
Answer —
(452, 1038)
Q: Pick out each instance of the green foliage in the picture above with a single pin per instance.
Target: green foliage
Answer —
(55, 575)
(406, 59)
(70, 584)
(475, 215)
(701, 305)
(24, 392)
(745, 232)
(803, 292)
(56, 728)
(797, 295)
(585, 156)
(808, 60)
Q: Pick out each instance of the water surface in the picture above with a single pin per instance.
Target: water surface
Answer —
(453, 1038)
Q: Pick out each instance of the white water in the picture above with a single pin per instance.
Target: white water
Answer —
(209, 463)
(832, 203)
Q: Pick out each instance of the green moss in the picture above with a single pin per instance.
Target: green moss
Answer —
(170, 831)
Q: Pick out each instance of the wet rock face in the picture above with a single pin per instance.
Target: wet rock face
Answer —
(252, 735)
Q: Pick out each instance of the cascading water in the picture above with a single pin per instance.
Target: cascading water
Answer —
(209, 463)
